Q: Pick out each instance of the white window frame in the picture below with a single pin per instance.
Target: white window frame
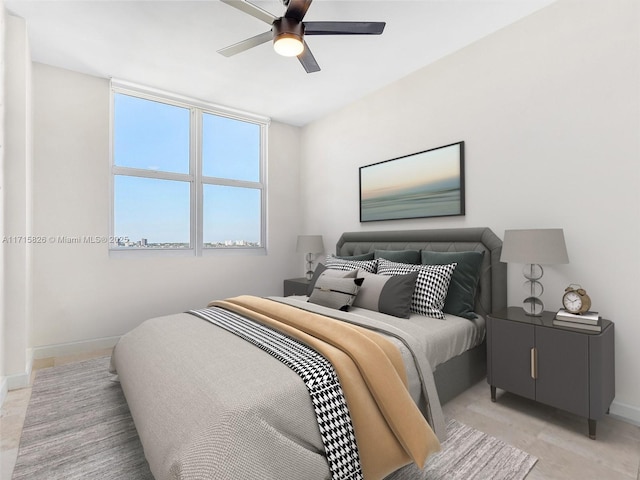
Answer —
(197, 180)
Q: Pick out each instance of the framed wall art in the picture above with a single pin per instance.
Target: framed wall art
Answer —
(424, 184)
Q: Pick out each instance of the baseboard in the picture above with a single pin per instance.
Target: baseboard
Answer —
(18, 380)
(21, 380)
(74, 348)
(627, 413)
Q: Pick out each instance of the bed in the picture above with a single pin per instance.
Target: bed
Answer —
(459, 372)
(209, 404)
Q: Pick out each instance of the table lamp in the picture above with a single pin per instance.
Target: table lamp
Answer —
(534, 248)
(309, 244)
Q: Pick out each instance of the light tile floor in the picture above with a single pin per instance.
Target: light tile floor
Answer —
(557, 438)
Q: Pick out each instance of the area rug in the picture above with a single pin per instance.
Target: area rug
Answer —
(78, 426)
(470, 454)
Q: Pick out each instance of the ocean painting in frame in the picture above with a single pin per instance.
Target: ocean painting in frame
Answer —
(423, 184)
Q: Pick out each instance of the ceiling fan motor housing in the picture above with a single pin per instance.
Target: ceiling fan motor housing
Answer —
(287, 26)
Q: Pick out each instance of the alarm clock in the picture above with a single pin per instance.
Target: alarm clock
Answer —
(576, 300)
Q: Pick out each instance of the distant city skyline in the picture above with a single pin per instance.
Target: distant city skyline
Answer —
(144, 243)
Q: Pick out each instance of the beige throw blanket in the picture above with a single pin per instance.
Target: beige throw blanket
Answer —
(390, 430)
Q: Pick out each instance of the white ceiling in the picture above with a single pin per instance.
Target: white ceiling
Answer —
(171, 45)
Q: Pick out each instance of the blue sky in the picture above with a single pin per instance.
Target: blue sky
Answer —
(155, 136)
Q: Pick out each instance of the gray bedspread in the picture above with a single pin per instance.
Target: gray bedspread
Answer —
(207, 404)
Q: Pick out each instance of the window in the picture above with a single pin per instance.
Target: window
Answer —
(186, 176)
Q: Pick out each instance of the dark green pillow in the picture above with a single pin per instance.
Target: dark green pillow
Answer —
(461, 297)
(364, 256)
(399, 256)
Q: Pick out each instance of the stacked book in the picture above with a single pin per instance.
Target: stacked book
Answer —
(584, 321)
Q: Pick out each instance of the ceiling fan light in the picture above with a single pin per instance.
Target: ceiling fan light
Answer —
(288, 45)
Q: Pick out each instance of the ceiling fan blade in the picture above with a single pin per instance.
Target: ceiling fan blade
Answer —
(246, 44)
(308, 61)
(297, 9)
(344, 28)
(252, 10)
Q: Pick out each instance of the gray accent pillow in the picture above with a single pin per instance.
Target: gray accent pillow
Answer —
(431, 286)
(461, 297)
(337, 293)
(399, 256)
(320, 269)
(387, 294)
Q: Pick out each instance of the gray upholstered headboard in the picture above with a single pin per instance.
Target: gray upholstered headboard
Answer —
(492, 295)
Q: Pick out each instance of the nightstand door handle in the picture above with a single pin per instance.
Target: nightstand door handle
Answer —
(534, 363)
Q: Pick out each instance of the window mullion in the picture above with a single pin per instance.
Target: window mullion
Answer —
(196, 171)
(263, 186)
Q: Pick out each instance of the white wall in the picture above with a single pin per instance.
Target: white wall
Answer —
(17, 182)
(549, 109)
(3, 380)
(79, 292)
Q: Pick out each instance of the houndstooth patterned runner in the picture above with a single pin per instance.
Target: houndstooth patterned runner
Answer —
(320, 379)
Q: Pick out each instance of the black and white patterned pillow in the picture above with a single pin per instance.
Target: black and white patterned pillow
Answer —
(431, 286)
(336, 263)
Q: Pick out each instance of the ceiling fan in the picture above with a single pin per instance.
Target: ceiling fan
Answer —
(288, 31)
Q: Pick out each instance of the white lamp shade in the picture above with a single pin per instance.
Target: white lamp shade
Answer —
(540, 246)
(310, 244)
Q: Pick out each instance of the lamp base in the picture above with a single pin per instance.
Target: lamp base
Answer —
(533, 306)
(309, 273)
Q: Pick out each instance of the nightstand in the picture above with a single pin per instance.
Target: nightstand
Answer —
(296, 286)
(569, 369)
